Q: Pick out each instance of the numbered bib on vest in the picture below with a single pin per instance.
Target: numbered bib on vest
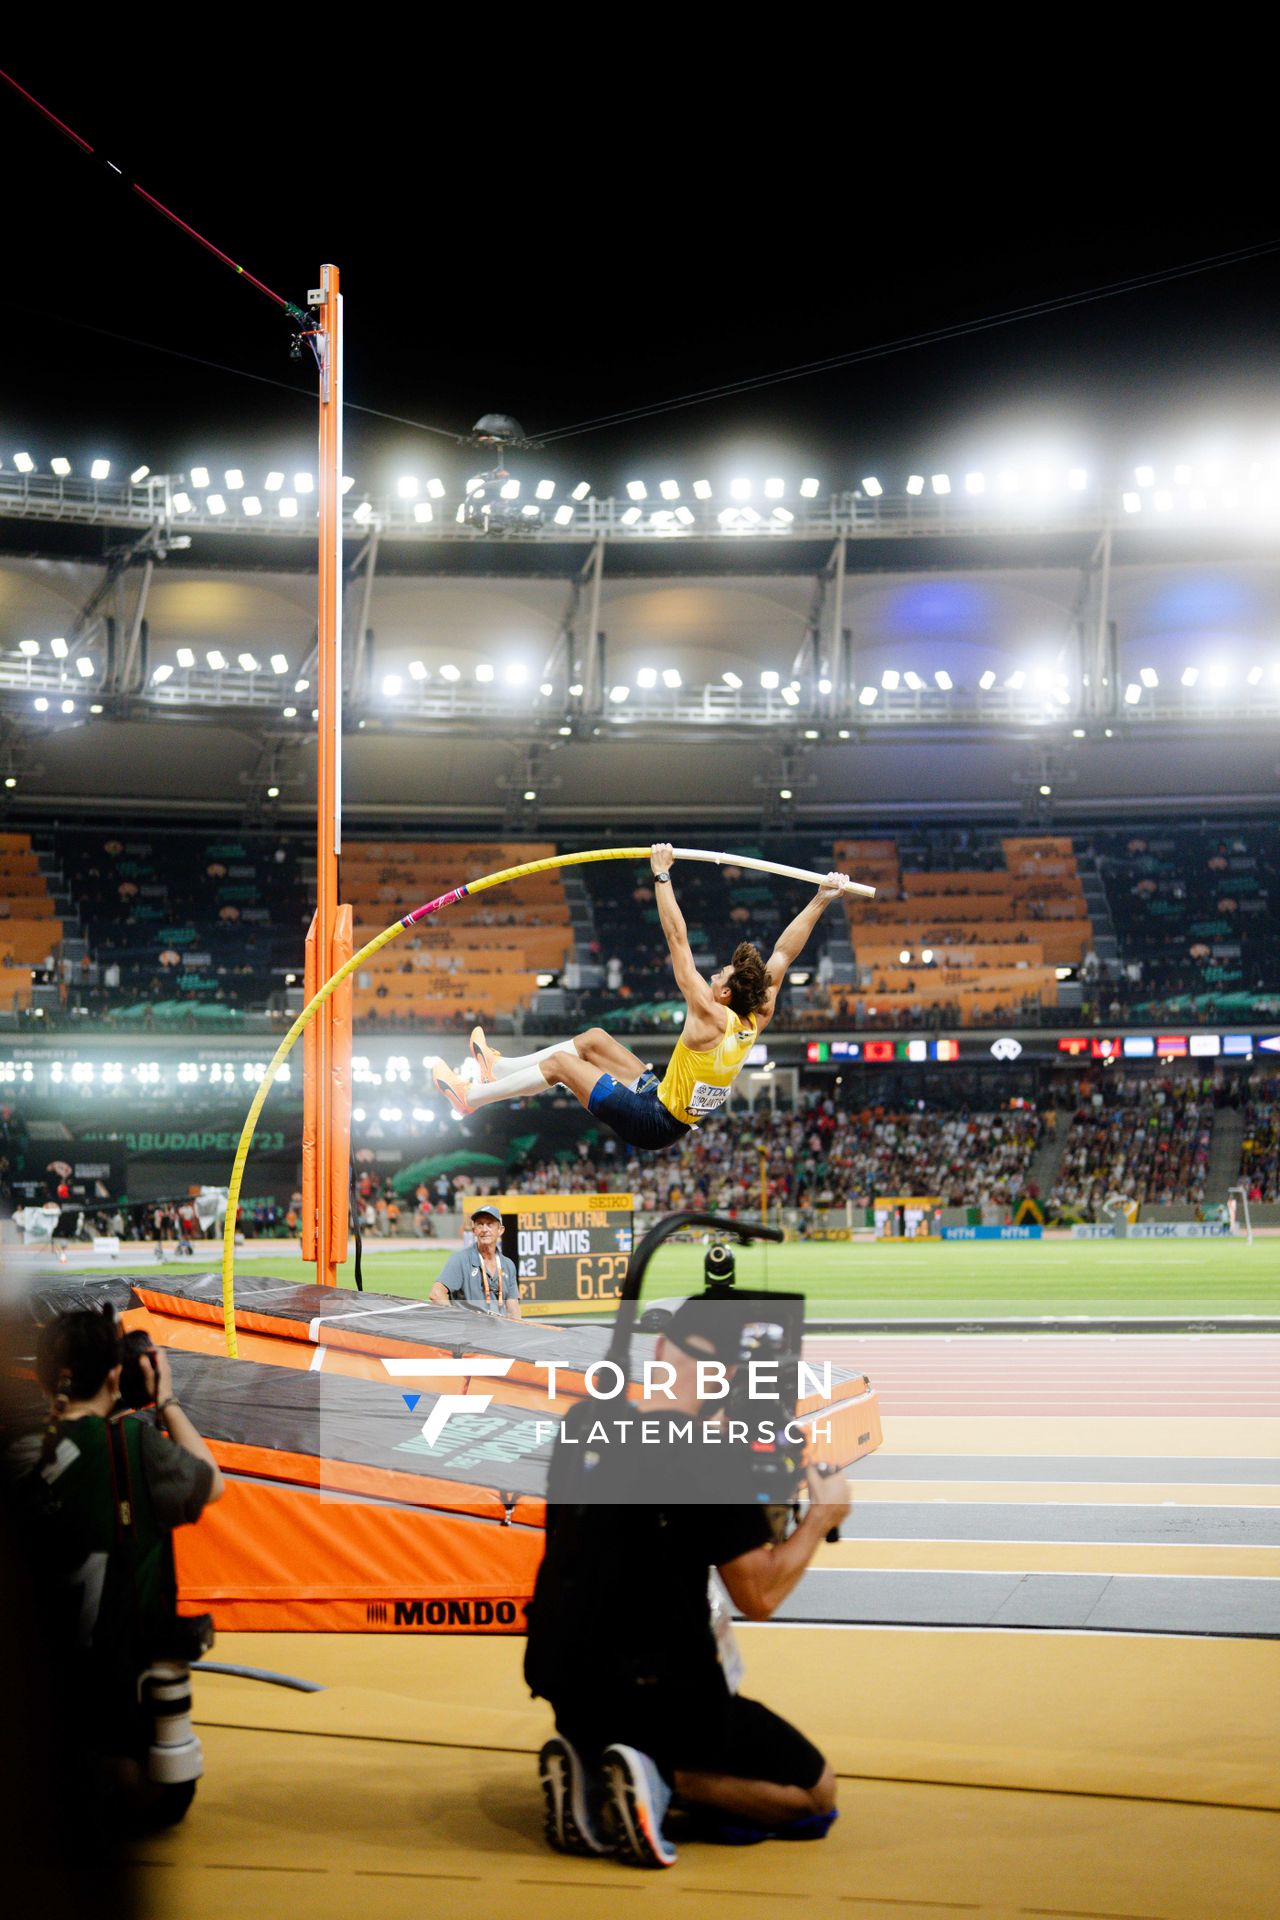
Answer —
(704, 1098)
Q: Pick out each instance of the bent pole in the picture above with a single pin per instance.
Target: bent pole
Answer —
(393, 932)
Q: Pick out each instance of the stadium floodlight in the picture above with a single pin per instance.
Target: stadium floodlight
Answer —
(926, 955)
(631, 515)
(975, 483)
(942, 680)
(279, 664)
(362, 515)
(870, 486)
(215, 660)
(530, 793)
(24, 463)
(11, 779)
(890, 679)
(1017, 680)
(868, 696)
(915, 484)
(1045, 790)
(987, 680)
(96, 707)
(824, 686)
(940, 482)
(200, 476)
(844, 733)
(1162, 500)
(1077, 733)
(791, 697)
(248, 663)
(215, 503)
(1062, 697)
(290, 713)
(1145, 476)
(161, 674)
(1131, 502)
(669, 489)
(684, 516)
(809, 488)
(510, 489)
(289, 507)
(58, 647)
(618, 694)
(182, 503)
(544, 490)
(769, 680)
(564, 731)
(407, 486)
(1132, 694)
(581, 491)
(303, 483)
(647, 677)
(273, 793)
(575, 691)
(391, 685)
(637, 490)
(138, 475)
(450, 673)
(40, 704)
(740, 488)
(913, 680)
(702, 489)
(186, 658)
(484, 673)
(516, 674)
(100, 470)
(1253, 676)
(348, 481)
(1149, 677)
(774, 488)
(417, 670)
(732, 680)
(1077, 479)
(563, 515)
(68, 706)
(811, 733)
(84, 666)
(301, 686)
(783, 516)
(251, 506)
(435, 487)
(423, 511)
(234, 479)
(273, 482)
(546, 689)
(61, 467)
(29, 647)
(904, 957)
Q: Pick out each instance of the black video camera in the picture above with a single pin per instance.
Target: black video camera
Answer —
(719, 1268)
(134, 1347)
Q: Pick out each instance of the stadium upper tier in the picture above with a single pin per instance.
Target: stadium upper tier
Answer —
(969, 927)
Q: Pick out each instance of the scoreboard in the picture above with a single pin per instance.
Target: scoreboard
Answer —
(570, 1250)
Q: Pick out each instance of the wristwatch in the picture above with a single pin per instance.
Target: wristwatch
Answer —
(662, 879)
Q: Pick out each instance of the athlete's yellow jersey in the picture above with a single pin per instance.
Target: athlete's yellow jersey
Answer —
(696, 1084)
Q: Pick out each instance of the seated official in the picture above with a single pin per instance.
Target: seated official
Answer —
(622, 1640)
(481, 1276)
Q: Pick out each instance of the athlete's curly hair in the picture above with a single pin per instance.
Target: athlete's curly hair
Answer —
(750, 986)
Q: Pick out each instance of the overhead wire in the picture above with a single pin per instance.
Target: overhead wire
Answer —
(908, 343)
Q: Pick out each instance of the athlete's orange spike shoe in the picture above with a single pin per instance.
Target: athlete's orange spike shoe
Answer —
(484, 1056)
(452, 1086)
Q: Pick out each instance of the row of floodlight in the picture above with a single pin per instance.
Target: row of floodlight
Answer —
(216, 662)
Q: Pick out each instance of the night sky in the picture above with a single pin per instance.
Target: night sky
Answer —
(582, 250)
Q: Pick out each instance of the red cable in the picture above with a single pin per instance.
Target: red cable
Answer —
(150, 198)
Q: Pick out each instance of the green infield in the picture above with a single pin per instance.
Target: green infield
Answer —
(920, 1279)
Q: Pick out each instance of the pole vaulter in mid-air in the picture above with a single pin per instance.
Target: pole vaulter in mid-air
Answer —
(725, 1017)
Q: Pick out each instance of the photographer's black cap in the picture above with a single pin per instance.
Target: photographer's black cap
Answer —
(714, 1321)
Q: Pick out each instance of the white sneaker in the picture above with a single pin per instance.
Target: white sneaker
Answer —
(640, 1799)
(571, 1826)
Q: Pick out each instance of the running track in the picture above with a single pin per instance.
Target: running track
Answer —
(1201, 1376)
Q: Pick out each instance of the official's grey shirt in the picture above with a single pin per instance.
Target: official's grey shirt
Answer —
(464, 1280)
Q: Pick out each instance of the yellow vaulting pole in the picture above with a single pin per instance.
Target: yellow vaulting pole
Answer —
(392, 932)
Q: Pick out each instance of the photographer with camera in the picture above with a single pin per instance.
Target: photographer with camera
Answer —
(637, 1660)
(101, 1491)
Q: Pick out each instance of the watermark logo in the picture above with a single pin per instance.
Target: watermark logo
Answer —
(448, 1404)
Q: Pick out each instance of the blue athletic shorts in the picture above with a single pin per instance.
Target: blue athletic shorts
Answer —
(638, 1118)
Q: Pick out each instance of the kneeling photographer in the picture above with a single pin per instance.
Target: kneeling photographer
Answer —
(627, 1639)
(99, 1493)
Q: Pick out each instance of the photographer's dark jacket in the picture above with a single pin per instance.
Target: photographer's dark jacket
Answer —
(100, 1521)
